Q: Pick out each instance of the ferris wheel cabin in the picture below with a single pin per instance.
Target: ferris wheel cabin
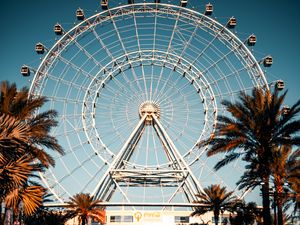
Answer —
(279, 85)
(268, 61)
(231, 23)
(79, 14)
(58, 29)
(104, 4)
(183, 3)
(251, 40)
(39, 48)
(208, 9)
(285, 110)
(25, 71)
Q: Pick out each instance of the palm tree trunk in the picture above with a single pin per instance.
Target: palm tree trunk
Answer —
(266, 201)
(83, 220)
(279, 212)
(7, 216)
(275, 213)
(16, 217)
(278, 200)
(216, 216)
(1, 216)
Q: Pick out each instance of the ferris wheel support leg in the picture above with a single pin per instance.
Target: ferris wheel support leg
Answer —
(102, 189)
(194, 186)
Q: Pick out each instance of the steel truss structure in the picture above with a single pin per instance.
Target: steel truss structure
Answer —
(122, 174)
(137, 87)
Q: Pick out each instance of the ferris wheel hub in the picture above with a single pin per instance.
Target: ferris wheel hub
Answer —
(150, 108)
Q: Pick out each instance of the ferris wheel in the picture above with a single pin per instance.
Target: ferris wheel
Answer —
(137, 87)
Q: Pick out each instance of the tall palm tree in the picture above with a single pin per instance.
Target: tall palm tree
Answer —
(254, 127)
(215, 198)
(24, 135)
(83, 206)
(29, 195)
(22, 128)
(293, 174)
(13, 174)
(15, 186)
(279, 173)
(285, 168)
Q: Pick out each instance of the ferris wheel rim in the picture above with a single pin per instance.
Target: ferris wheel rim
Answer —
(87, 21)
(51, 51)
(148, 4)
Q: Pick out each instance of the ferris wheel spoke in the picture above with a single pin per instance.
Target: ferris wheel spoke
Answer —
(62, 81)
(95, 33)
(54, 185)
(204, 49)
(87, 54)
(110, 54)
(112, 57)
(167, 51)
(224, 57)
(170, 93)
(118, 35)
(136, 32)
(123, 89)
(159, 83)
(78, 148)
(172, 35)
(139, 49)
(234, 93)
(68, 174)
(96, 175)
(154, 36)
(188, 43)
(236, 72)
(166, 84)
(145, 82)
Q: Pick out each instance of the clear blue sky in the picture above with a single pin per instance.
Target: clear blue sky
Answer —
(275, 23)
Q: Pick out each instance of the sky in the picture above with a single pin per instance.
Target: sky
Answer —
(275, 23)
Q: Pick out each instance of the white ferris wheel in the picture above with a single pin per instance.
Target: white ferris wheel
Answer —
(136, 87)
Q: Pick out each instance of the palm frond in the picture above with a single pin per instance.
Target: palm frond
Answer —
(227, 159)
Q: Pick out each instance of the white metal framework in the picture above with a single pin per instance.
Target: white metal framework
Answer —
(136, 88)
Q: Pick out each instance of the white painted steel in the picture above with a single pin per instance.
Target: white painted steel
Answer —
(99, 73)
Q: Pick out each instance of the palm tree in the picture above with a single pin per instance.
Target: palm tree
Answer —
(29, 195)
(83, 206)
(46, 218)
(14, 173)
(43, 216)
(16, 187)
(255, 126)
(24, 135)
(24, 130)
(246, 213)
(215, 198)
(293, 174)
(285, 167)
(279, 174)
